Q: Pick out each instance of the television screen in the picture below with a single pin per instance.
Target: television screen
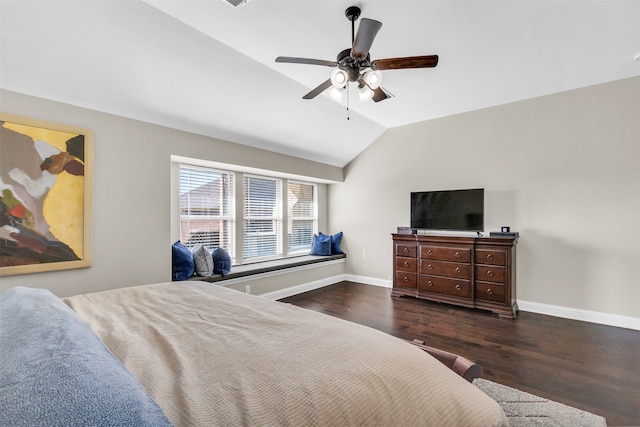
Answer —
(454, 210)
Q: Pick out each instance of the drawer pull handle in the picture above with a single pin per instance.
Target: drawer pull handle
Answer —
(429, 252)
(429, 283)
(430, 267)
(457, 287)
(457, 269)
(489, 256)
(489, 273)
(406, 264)
(406, 279)
(489, 291)
(406, 250)
(458, 255)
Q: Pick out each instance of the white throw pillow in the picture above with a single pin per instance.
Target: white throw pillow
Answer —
(203, 260)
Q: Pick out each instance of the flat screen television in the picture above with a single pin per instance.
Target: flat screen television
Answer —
(452, 210)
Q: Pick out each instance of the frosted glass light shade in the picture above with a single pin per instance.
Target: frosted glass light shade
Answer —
(373, 79)
(365, 93)
(339, 78)
(337, 93)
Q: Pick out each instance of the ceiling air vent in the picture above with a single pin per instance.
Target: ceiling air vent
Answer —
(236, 2)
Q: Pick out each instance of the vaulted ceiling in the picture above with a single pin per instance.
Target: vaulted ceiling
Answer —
(208, 67)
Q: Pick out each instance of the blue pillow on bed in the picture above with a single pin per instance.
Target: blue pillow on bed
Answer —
(57, 372)
(321, 245)
(182, 264)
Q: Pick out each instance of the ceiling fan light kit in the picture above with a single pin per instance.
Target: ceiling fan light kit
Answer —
(373, 79)
(365, 93)
(339, 78)
(354, 64)
(337, 93)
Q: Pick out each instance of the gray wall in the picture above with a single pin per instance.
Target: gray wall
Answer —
(132, 233)
(563, 170)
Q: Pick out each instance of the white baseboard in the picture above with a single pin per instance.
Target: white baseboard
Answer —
(368, 280)
(627, 322)
(305, 287)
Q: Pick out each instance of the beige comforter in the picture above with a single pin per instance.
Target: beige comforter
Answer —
(212, 356)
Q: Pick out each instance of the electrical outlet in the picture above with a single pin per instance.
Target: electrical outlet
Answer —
(247, 289)
(364, 256)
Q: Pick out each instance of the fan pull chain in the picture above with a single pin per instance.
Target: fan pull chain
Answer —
(348, 97)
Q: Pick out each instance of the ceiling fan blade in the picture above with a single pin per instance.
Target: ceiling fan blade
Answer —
(406, 62)
(367, 31)
(380, 94)
(318, 90)
(294, 60)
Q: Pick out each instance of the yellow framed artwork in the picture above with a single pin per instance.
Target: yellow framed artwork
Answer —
(45, 196)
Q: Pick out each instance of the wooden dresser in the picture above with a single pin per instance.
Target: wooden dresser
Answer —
(478, 272)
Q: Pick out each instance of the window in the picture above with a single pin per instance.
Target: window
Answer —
(302, 214)
(262, 236)
(275, 217)
(206, 208)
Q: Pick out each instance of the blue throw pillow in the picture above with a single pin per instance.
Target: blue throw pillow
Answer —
(335, 243)
(183, 265)
(221, 261)
(56, 371)
(321, 245)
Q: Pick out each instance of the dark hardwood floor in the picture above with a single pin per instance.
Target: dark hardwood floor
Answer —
(585, 365)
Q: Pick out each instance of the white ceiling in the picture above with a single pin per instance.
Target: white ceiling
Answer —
(207, 67)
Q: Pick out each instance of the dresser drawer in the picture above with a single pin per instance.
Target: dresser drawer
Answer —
(490, 292)
(491, 257)
(407, 264)
(445, 253)
(490, 273)
(447, 269)
(406, 280)
(406, 250)
(446, 286)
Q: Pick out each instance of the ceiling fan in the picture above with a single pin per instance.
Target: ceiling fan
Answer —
(354, 64)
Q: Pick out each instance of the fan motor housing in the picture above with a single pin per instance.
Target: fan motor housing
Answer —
(344, 55)
(351, 65)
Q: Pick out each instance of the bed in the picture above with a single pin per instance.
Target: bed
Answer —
(209, 356)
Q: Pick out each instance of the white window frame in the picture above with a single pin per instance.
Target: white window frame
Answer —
(290, 218)
(237, 209)
(276, 219)
(228, 217)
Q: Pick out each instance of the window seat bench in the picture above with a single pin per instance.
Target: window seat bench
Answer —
(245, 270)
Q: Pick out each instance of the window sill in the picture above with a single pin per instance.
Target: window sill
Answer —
(269, 267)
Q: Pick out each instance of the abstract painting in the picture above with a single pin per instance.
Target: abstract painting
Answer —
(45, 196)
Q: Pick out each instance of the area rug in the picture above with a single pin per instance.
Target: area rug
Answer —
(526, 410)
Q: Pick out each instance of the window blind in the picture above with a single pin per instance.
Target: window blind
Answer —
(262, 217)
(302, 216)
(206, 208)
